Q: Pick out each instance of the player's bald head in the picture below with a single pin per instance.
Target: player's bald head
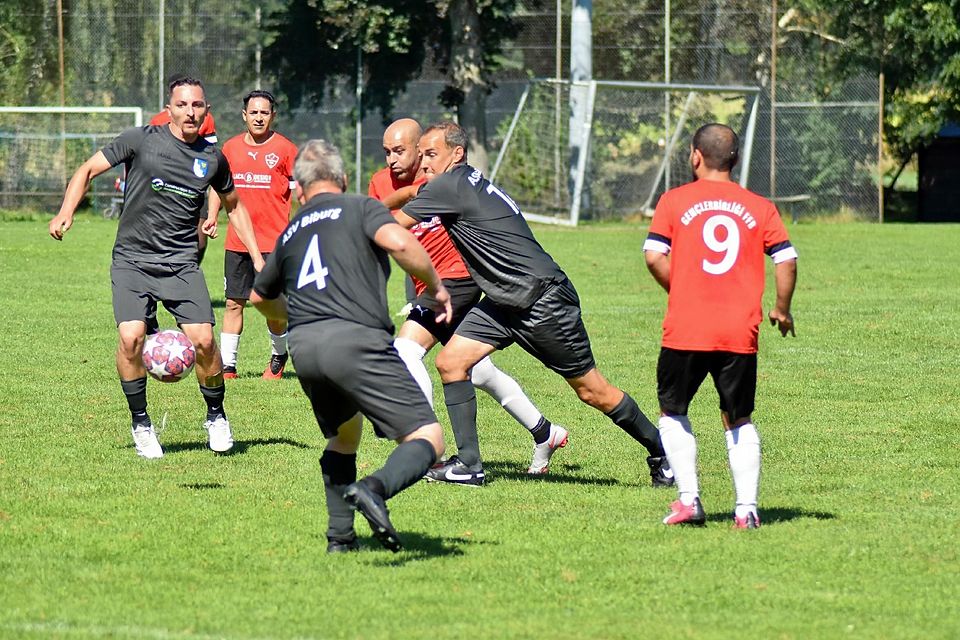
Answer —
(719, 146)
(405, 130)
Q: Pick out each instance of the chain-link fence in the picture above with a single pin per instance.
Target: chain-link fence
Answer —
(120, 52)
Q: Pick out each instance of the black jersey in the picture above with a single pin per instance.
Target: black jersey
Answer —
(164, 194)
(493, 237)
(328, 265)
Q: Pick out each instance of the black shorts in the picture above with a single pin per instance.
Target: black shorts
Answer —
(138, 286)
(345, 367)
(464, 294)
(551, 330)
(238, 274)
(679, 374)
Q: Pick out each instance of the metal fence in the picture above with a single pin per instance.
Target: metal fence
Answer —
(821, 155)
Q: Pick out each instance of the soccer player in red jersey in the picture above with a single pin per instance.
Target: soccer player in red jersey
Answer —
(705, 248)
(262, 164)
(394, 185)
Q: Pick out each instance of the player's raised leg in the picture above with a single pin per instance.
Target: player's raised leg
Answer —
(547, 437)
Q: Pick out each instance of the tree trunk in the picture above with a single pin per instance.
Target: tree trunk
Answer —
(466, 71)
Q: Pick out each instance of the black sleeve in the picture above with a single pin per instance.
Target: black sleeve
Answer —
(223, 179)
(269, 282)
(375, 215)
(124, 146)
(439, 197)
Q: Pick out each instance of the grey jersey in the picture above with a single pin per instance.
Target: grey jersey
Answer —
(328, 265)
(164, 196)
(493, 238)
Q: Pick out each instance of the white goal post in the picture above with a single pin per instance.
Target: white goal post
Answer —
(604, 149)
(40, 147)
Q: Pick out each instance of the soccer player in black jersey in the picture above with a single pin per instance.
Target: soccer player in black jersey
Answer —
(528, 300)
(331, 265)
(169, 168)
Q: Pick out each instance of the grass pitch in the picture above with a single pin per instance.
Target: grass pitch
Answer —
(859, 418)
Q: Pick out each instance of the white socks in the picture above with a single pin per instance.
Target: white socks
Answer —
(229, 343)
(506, 391)
(412, 355)
(743, 449)
(278, 343)
(680, 446)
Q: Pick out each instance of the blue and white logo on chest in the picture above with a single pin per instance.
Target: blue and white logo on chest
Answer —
(200, 167)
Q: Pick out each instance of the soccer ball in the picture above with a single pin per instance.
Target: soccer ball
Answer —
(169, 355)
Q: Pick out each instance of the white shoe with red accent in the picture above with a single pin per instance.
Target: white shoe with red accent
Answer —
(543, 452)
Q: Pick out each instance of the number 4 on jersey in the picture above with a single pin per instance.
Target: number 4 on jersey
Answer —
(312, 270)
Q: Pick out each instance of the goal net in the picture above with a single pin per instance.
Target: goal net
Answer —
(41, 147)
(607, 150)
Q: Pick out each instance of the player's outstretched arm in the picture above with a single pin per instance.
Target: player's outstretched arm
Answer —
(659, 265)
(240, 219)
(413, 258)
(94, 166)
(785, 275)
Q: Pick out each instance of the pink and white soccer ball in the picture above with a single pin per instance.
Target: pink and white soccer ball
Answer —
(169, 355)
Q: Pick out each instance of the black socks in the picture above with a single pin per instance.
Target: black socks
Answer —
(627, 416)
(461, 401)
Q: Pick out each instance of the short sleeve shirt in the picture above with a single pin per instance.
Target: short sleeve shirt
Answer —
(716, 234)
(263, 177)
(165, 186)
(491, 234)
(431, 234)
(328, 265)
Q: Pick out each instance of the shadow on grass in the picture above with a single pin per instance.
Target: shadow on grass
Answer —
(776, 515)
(559, 473)
(202, 485)
(416, 547)
(253, 375)
(239, 447)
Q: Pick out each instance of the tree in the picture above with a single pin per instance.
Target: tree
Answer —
(916, 46)
(316, 43)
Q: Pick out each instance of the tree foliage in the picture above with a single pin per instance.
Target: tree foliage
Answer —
(915, 44)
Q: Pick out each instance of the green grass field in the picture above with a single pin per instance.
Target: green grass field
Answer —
(859, 418)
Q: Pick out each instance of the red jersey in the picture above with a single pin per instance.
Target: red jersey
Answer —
(716, 234)
(208, 130)
(431, 234)
(263, 177)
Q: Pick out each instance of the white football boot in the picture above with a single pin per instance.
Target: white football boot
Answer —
(145, 441)
(543, 452)
(219, 434)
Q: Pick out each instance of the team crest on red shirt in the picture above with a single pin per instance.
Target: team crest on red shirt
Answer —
(271, 159)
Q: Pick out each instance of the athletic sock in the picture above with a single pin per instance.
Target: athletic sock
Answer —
(278, 343)
(680, 446)
(461, 400)
(412, 355)
(339, 470)
(136, 393)
(214, 398)
(229, 344)
(407, 464)
(743, 450)
(627, 416)
(507, 391)
(541, 433)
